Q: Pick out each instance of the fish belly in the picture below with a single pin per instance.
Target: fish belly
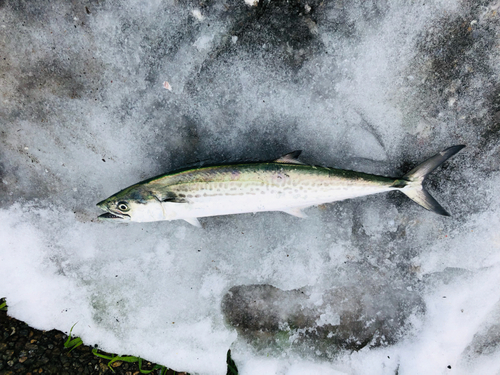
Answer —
(270, 194)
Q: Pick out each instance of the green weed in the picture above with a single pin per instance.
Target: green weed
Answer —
(231, 366)
(131, 359)
(72, 343)
(3, 304)
(76, 342)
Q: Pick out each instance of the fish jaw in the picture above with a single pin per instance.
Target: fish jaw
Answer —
(111, 215)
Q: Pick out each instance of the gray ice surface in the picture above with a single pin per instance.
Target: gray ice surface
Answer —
(371, 285)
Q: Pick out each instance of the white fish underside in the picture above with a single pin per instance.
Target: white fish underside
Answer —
(289, 195)
(245, 188)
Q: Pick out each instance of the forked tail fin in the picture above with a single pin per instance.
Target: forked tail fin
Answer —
(411, 183)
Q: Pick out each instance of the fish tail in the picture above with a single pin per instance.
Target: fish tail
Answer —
(411, 183)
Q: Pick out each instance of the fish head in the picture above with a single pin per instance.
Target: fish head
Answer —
(132, 204)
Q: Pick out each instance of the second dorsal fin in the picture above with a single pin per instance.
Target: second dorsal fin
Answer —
(290, 158)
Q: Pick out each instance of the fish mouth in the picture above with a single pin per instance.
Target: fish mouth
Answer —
(111, 215)
(114, 216)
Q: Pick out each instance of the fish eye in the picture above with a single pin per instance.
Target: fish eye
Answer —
(122, 206)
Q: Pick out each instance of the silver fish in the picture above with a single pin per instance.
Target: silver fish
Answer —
(285, 184)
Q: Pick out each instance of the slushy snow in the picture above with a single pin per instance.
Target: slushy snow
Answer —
(371, 285)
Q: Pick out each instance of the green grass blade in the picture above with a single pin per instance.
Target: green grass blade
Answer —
(94, 351)
(129, 358)
(155, 367)
(72, 343)
(111, 359)
(231, 366)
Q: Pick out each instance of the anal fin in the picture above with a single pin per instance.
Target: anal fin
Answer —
(296, 211)
(193, 221)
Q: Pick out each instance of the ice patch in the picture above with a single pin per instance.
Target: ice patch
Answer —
(358, 286)
(203, 42)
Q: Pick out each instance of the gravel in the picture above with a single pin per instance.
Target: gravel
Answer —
(28, 351)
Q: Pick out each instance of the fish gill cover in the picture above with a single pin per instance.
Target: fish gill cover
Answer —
(99, 95)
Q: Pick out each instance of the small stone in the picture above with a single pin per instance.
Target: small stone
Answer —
(103, 367)
(22, 359)
(65, 361)
(116, 364)
(10, 363)
(50, 346)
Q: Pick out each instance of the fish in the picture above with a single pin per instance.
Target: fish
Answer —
(285, 184)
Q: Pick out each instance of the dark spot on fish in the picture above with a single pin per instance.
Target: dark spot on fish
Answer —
(87, 10)
(104, 160)
(182, 195)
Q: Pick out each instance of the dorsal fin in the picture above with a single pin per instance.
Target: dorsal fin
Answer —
(290, 158)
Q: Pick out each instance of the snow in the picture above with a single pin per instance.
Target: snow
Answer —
(371, 285)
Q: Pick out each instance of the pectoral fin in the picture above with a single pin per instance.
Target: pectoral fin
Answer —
(193, 221)
(168, 196)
